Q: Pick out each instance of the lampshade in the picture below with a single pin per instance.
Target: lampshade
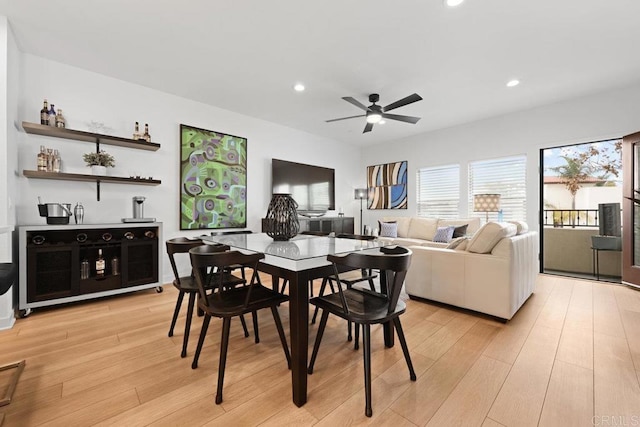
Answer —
(360, 193)
(373, 117)
(486, 202)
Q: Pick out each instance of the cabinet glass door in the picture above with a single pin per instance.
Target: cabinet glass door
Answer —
(631, 210)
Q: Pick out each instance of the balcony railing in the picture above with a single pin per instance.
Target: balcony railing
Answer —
(571, 217)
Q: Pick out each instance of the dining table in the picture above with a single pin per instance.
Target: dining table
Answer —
(299, 260)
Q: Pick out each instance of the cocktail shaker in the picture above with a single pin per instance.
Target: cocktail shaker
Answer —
(78, 213)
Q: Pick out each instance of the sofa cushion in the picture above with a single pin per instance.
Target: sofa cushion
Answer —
(521, 226)
(403, 224)
(444, 234)
(388, 229)
(423, 228)
(489, 235)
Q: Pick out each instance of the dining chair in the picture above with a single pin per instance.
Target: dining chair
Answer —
(216, 300)
(366, 275)
(365, 307)
(187, 284)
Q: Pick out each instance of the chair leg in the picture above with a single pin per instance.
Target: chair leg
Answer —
(366, 353)
(356, 343)
(224, 345)
(203, 333)
(349, 336)
(187, 326)
(322, 288)
(244, 326)
(285, 282)
(405, 349)
(175, 312)
(316, 345)
(254, 316)
(283, 338)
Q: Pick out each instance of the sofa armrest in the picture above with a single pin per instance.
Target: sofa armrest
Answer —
(437, 274)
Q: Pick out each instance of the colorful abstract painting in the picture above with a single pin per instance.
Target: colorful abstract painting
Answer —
(213, 179)
(387, 186)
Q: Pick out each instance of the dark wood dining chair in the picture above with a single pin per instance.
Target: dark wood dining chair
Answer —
(366, 275)
(218, 301)
(365, 307)
(187, 284)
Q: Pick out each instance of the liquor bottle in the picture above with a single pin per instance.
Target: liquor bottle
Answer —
(60, 120)
(136, 131)
(100, 264)
(56, 161)
(49, 160)
(42, 159)
(146, 135)
(44, 113)
(52, 116)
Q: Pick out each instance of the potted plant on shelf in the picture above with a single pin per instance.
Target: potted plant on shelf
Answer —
(99, 162)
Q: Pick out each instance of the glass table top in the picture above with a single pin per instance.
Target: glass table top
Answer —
(300, 247)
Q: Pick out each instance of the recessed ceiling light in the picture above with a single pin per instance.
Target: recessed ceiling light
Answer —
(453, 3)
(298, 87)
(513, 83)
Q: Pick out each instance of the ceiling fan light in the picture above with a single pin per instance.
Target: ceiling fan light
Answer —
(374, 117)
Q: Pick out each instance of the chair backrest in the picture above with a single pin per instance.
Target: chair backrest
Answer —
(219, 258)
(180, 245)
(355, 236)
(393, 266)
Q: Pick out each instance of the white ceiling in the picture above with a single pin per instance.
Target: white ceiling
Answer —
(245, 55)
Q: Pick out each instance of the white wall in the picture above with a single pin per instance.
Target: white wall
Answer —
(85, 96)
(597, 117)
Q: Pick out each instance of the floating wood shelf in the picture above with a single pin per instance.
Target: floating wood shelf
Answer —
(94, 138)
(89, 178)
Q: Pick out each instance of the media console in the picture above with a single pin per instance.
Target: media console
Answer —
(337, 224)
(51, 259)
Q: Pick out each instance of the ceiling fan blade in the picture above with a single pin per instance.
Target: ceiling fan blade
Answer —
(404, 101)
(355, 102)
(368, 128)
(345, 118)
(407, 119)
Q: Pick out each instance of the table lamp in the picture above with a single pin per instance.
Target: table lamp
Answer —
(486, 203)
(360, 193)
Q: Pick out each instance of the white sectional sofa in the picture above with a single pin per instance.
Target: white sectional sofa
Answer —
(496, 277)
(421, 231)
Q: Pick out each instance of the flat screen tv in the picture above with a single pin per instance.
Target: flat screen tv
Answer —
(312, 187)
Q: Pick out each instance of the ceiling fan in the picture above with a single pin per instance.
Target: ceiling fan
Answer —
(375, 113)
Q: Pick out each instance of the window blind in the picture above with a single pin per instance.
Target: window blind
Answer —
(505, 176)
(438, 191)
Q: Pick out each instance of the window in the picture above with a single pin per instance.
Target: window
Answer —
(505, 176)
(439, 191)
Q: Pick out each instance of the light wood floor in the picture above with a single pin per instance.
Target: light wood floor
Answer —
(570, 354)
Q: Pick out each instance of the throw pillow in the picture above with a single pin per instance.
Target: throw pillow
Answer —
(388, 229)
(521, 226)
(456, 243)
(444, 234)
(489, 235)
(460, 231)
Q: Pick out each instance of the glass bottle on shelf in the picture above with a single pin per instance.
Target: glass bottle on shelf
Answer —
(52, 116)
(136, 131)
(56, 161)
(42, 159)
(49, 160)
(44, 113)
(84, 269)
(60, 120)
(100, 264)
(146, 135)
(115, 266)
